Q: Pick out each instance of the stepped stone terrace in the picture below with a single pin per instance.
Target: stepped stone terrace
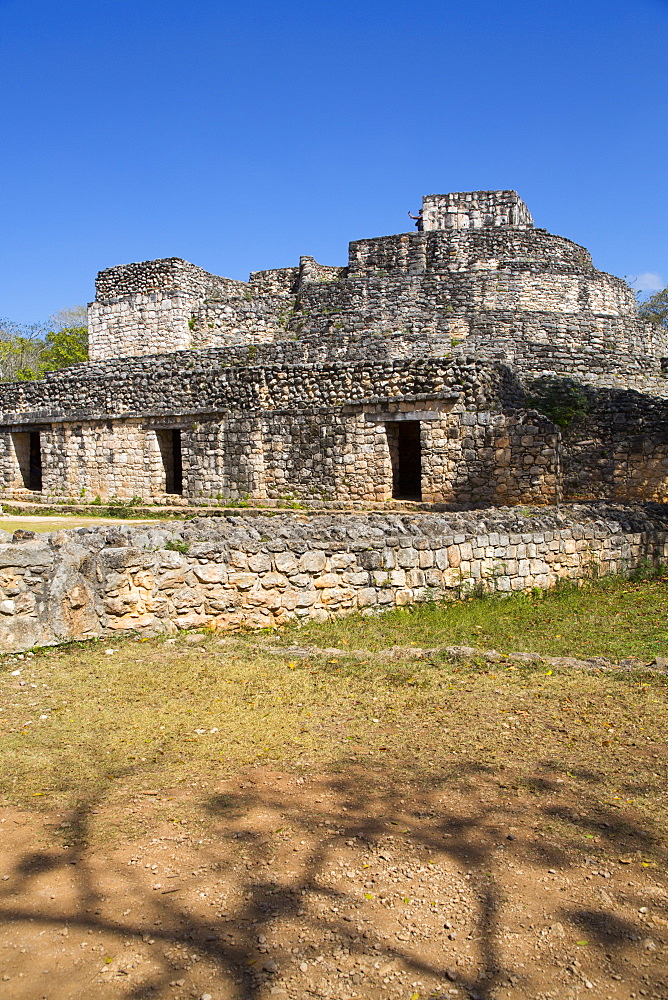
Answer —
(477, 361)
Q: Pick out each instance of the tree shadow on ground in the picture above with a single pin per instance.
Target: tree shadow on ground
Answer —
(456, 816)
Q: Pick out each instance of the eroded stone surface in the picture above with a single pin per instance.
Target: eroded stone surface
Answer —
(258, 572)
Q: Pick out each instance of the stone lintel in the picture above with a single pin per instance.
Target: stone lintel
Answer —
(392, 416)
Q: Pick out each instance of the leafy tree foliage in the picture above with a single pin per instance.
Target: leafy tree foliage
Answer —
(655, 308)
(20, 350)
(64, 348)
(27, 352)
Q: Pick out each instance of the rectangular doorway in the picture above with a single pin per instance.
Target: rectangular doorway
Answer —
(28, 451)
(404, 440)
(170, 450)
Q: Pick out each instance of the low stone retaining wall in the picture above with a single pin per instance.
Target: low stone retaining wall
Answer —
(243, 572)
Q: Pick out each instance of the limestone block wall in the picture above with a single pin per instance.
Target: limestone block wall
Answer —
(244, 317)
(491, 457)
(170, 305)
(577, 345)
(436, 282)
(536, 341)
(198, 383)
(311, 270)
(317, 431)
(238, 572)
(228, 457)
(468, 457)
(468, 271)
(86, 459)
(170, 274)
(467, 250)
(312, 454)
(619, 448)
(419, 306)
(147, 308)
(277, 281)
(259, 311)
(559, 293)
(139, 323)
(504, 290)
(474, 209)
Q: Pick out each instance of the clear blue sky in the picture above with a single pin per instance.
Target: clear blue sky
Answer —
(241, 135)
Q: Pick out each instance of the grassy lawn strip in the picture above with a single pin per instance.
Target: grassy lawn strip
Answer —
(80, 723)
(614, 617)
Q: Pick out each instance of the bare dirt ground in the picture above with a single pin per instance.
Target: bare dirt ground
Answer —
(225, 818)
(349, 884)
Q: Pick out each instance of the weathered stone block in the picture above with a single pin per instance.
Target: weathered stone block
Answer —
(28, 554)
(285, 562)
(326, 580)
(312, 562)
(242, 581)
(454, 556)
(213, 573)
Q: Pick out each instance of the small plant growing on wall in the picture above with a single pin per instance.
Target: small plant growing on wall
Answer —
(560, 399)
(177, 545)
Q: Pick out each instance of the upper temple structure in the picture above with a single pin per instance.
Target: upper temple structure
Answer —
(477, 361)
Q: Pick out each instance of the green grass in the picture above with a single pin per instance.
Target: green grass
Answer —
(614, 617)
(78, 723)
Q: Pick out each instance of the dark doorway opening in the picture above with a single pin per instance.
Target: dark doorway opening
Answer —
(172, 460)
(28, 450)
(35, 461)
(177, 474)
(406, 452)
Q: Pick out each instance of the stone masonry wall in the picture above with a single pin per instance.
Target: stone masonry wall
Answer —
(428, 280)
(468, 456)
(139, 324)
(308, 430)
(474, 209)
(148, 308)
(241, 572)
(204, 382)
(576, 345)
(442, 282)
(618, 448)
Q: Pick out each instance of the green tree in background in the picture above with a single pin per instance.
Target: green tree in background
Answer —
(64, 348)
(20, 349)
(655, 308)
(27, 352)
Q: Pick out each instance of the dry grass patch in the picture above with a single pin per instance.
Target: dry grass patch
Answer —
(81, 722)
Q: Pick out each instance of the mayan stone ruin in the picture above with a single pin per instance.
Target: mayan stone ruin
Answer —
(412, 373)
(471, 405)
